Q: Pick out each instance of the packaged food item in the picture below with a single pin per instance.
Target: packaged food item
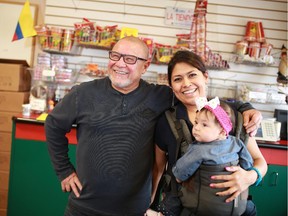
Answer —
(183, 40)
(260, 37)
(56, 36)
(83, 29)
(254, 49)
(251, 31)
(149, 43)
(43, 33)
(106, 36)
(67, 40)
(164, 52)
(241, 48)
(265, 49)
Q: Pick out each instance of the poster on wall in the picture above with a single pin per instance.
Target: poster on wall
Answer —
(179, 16)
(20, 49)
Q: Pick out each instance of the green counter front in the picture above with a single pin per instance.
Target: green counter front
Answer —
(34, 189)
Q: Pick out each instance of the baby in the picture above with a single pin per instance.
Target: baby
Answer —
(213, 146)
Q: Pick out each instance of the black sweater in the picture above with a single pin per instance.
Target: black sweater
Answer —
(115, 144)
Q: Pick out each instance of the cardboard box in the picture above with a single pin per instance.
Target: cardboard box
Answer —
(12, 101)
(5, 141)
(5, 161)
(14, 75)
(4, 199)
(6, 121)
(4, 179)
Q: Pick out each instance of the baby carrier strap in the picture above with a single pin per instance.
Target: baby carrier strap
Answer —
(240, 131)
(183, 138)
(180, 131)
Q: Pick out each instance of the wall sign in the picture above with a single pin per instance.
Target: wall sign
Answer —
(179, 16)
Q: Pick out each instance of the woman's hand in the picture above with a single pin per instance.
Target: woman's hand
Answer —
(71, 182)
(251, 121)
(236, 183)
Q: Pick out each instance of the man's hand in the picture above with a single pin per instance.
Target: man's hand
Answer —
(71, 182)
(251, 121)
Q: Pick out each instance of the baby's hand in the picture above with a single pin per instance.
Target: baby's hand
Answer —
(150, 212)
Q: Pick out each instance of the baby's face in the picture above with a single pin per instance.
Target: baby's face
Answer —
(206, 128)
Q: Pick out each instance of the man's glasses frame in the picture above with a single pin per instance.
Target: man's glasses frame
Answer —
(128, 59)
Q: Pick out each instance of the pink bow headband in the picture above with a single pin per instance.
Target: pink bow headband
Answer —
(214, 107)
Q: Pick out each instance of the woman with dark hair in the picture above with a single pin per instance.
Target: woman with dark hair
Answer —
(188, 78)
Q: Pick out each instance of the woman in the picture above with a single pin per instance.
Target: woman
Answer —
(188, 79)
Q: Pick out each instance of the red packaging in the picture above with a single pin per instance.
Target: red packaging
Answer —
(251, 31)
(260, 33)
(254, 49)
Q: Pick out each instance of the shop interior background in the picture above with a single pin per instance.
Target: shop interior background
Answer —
(226, 24)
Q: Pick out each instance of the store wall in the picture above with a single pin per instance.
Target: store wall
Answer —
(226, 23)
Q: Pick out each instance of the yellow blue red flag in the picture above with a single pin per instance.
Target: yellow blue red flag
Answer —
(25, 24)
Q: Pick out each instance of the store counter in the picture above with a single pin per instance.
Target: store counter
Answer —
(270, 196)
(35, 190)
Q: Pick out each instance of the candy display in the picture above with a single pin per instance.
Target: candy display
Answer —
(197, 40)
(94, 69)
(88, 33)
(55, 38)
(200, 28)
(163, 53)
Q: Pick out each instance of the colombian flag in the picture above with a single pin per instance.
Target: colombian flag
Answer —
(24, 26)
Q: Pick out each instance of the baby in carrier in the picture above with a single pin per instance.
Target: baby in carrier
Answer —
(213, 150)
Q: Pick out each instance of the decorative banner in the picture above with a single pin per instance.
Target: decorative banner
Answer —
(179, 16)
(25, 24)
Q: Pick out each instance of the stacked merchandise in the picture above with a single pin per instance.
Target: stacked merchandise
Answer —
(55, 38)
(254, 48)
(198, 29)
(195, 41)
(15, 81)
(198, 38)
(52, 79)
(87, 33)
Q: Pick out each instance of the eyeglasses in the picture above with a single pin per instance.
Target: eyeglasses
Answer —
(128, 59)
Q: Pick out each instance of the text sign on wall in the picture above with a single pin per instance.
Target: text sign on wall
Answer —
(179, 16)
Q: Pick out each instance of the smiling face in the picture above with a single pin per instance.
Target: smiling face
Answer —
(126, 77)
(188, 83)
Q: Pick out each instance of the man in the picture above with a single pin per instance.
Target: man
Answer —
(115, 120)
